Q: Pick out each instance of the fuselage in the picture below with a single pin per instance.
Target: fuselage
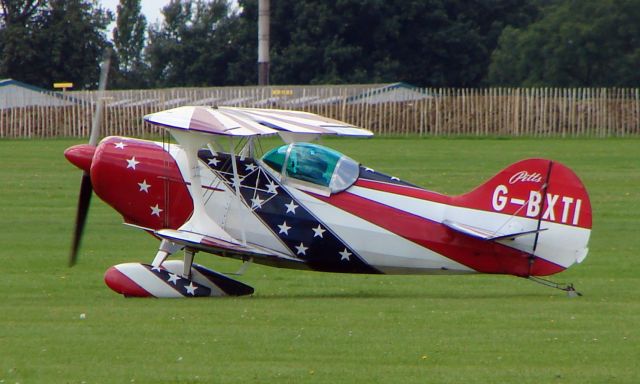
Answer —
(378, 224)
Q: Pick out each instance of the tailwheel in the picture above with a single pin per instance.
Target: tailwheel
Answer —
(567, 287)
(172, 279)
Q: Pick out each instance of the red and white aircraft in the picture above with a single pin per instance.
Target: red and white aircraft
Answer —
(305, 206)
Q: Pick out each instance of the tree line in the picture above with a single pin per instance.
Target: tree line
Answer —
(432, 43)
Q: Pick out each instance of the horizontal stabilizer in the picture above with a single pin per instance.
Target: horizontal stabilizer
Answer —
(486, 234)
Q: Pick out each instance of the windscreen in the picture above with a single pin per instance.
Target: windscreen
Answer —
(314, 164)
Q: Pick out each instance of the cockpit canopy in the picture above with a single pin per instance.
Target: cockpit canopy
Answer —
(315, 164)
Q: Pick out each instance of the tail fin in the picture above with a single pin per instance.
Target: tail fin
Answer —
(542, 203)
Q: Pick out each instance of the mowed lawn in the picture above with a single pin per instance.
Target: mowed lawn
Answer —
(311, 327)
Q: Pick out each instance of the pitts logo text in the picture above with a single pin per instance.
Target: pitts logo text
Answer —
(524, 176)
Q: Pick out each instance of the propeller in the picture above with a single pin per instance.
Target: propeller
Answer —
(86, 189)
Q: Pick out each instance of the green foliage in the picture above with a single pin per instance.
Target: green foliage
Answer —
(17, 48)
(73, 34)
(204, 43)
(313, 327)
(427, 43)
(435, 43)
(55, 40)
(576, 43)
(192, 46)
(128, 41)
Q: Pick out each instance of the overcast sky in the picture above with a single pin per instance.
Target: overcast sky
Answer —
(150, 8)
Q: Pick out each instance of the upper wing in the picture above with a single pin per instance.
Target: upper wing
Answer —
(229, 121)
(208, 120)
(298, 121)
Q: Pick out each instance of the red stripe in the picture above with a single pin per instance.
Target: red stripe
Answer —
(480, 255)
(120, 283)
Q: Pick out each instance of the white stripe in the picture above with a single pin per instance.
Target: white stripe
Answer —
(379, 247)
(424, 208)
(561, 244)
(147, 280)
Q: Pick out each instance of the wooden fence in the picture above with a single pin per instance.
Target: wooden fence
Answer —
(588, 112)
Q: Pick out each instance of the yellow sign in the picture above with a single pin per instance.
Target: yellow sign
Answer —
(282, 92)
(63, 85)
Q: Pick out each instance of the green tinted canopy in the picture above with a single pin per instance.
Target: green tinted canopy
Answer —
(314, 164)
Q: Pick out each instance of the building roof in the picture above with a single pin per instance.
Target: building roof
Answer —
(16, 94)
(394, 92)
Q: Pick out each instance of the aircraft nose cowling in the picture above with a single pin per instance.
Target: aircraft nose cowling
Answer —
(81, 155)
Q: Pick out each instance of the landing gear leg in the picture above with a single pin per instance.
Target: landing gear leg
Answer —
(165, 250)
(188, 262)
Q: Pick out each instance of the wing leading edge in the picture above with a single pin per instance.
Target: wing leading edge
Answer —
(231, 121)
(216, 245)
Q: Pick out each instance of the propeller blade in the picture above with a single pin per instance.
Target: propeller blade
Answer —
(86, 190)
(102, 85)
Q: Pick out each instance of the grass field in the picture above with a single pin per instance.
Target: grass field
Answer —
(320, 328)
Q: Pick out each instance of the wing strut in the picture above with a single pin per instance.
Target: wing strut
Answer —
(166, 249)
(200, 222)
(236, 185)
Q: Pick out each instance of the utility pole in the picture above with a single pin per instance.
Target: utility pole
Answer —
(264, 14)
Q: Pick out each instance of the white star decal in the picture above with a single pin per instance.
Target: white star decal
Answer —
(250, 167)
(345, 255)
(284, 228)
(317, 232)
(302, 250)
(237, 181)
(120, 145)
(213, 161)
(132, 162)
(144, 187)
(191, 289)
(173, 278)
(256, 202)
(369, 169)
(291, 207)
(156, 210)
(272, 187)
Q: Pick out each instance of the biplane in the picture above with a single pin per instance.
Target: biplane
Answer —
(304, 206)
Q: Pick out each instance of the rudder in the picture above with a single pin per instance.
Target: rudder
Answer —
(542, 195)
